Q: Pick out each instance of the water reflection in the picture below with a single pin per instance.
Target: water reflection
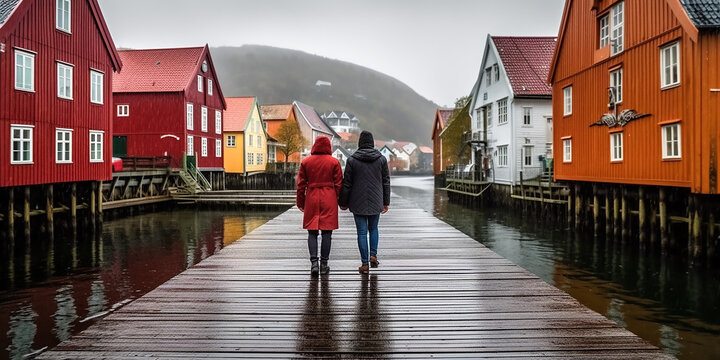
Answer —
(318, 327)
(371, 331)
(53, 288)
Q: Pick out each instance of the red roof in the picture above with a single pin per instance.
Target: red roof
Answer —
(157, 70)
(275, 112)
(237, 113)
(445, 115)
(526, 60)
(426, 150)
(345, 136)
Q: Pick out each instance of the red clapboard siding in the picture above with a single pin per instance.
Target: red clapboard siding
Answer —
(32, 27)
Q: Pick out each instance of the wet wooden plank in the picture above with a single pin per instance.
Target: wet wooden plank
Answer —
(437, 293)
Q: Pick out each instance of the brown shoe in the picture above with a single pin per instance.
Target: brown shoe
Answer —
(364, 269)
(374, 261)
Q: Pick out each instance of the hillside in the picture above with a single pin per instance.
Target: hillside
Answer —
(384, 105)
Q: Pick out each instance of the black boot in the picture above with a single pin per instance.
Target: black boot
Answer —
(324, 268)
(314, 270)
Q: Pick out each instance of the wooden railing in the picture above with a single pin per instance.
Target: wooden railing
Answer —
(133, 163)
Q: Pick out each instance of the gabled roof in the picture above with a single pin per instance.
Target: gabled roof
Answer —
(344, 135)
(703, 13)
(9, 7)
(312, 118)
(276, 112)
(442, 116)
(426, 150)
(526, 60)
(238, 112)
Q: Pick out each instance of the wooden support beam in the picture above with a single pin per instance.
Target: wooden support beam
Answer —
(710, 239)
(696, 225)
(11, 209)
(642, 216)
(596, 209)
(608, 221)
(578, 207)
(616, 211)
(26, 211)
(93, 189)
(664, 238)
(99, 198)
(49, 206)
(73, 202)
(570, 209)
(624, 214)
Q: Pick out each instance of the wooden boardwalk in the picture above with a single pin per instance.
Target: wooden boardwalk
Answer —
(437, 293)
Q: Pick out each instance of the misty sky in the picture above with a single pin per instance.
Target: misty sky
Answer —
(434, 46)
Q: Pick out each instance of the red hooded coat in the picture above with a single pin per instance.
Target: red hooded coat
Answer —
(318, 187)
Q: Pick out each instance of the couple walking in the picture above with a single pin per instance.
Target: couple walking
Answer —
(364, 189)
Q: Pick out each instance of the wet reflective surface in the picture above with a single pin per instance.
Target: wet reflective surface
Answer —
(664, 301)
(52, 289)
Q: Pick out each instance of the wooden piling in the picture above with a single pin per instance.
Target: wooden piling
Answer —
(616, 211)
(623, 213)
(93, 189)
(664, 238)
(696, 227)
(608, 221)
(578, 207)
(26, 211)
(570, 208)
(596, 209)
(710, 239)
(11, 213)
(49, 212)
(100, 198)
(642, 215)
(73, 202)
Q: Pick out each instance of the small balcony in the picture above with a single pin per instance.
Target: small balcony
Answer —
(476, 137)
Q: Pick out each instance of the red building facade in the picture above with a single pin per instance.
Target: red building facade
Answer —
(169, 102)
(56, 67)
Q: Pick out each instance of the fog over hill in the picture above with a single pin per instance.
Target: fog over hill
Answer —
(384, 105)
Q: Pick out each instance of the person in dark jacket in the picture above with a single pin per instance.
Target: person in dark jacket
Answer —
(366, 192)
(318, 187)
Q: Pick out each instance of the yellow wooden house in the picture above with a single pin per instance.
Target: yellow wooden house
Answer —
(244, 136)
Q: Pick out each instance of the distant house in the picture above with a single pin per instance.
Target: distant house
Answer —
(245, 136)
(441, 119)
(387, 152)
(342, 155)
(511, 107)
(169, 102)
(312, 125)
(273, 117)
(341, 121)
(426, 159)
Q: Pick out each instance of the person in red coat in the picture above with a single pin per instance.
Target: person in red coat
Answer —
(318, 188)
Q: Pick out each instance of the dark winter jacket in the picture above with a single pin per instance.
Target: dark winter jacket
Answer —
(366, 184)
(318, 187)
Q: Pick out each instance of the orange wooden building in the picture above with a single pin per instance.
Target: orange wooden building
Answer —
(635, 93)
(274, 116)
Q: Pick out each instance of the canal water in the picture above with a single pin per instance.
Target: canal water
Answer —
(666, 302)
(50, 290)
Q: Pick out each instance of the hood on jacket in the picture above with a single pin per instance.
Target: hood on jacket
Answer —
(367, 155)
(322, 146)
(366, 140)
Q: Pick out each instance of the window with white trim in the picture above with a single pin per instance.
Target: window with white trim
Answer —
(251, 159)
(616, 146)
(21, 144)
(567, 150)
(24, 70)
(62, 15)
(203, 119)
(189, 117)
(64, 81)
(616, 83)
(489, 110)
(567, 100)
(63, 146)
(200, 83)
(96, 146)
(617, 15)
(210, 87)
(218, 122)
(230, 141)
(272, 154)
(250, 139)
(96, 87)
(503, 156)
(259, 141)
(671, 141)
(488, 76)
(670, 65)
(260, 159)
(496, 72)
(527, 115)
(190, 145)
(527, 159)
(218, 148)
(604, 31)
(203, 147)
(123, 110)
(502, 111)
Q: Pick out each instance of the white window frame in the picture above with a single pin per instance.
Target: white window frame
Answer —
(210, 87)
(250, 140)
(503, 156)
(488, 75)
(218, 148)
(616, 82)
(666, 80)
(527, 155)
(200, 83)
(502, 111)
(604, 31)
(26, 143)
(260, 159)
(189, 116)
(665, 141)
(190, 145)
(616, 146)
(567, 150)
(251, 159)
(489, 112)
(203, 119)
(63, 8)
(203, 147)
(123, 110)
(230, 141)
(259, 142)
(96, 156)
(496, 72)
(567, 100)
(97, 87)
(527, 115)
(218, 122)
(64, 80)
(63, 146)
(617, 28)
(22, 71)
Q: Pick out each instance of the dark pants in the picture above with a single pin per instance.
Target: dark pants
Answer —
(313, 243)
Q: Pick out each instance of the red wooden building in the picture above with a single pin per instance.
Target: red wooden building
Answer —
(169, 102)
(441, 118)
(56, 65)
(635, 93)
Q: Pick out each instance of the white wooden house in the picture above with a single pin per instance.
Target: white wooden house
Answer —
(511, 107)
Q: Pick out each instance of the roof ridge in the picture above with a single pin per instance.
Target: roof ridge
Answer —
(162, 49)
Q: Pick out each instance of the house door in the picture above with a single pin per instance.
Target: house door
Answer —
(119, 146)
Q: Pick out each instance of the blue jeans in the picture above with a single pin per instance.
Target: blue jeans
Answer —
(367, 224)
